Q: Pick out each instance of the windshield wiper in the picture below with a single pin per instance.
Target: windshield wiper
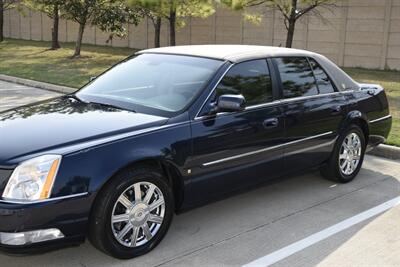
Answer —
(73, 96)
(110, 106)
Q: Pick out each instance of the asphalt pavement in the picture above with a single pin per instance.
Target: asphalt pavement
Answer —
(303, 220)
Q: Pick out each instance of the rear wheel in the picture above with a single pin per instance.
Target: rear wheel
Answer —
(132, 214)
(347, 157)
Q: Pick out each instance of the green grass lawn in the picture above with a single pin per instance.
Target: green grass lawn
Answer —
(33, 60)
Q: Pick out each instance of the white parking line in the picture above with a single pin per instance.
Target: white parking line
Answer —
(287, 251)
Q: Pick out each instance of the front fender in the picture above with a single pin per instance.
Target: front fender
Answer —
(88, 170)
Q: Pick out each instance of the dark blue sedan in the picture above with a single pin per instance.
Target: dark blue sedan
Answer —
(172, 128)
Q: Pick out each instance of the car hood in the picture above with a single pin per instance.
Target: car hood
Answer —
(63, 122)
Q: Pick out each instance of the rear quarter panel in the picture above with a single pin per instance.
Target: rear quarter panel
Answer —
(372, 105)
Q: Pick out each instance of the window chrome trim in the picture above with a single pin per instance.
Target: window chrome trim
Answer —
(273, 103)
(264, 149)
(212, 91)
(293, 99)
(278, 101)
(381, 119)
(43, 200)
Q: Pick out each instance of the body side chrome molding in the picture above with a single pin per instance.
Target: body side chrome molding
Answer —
(381, 119)
(43, 200)
(265, 149)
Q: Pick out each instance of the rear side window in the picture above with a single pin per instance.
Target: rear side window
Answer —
(325, 85)
(250, 79)
(296, 76)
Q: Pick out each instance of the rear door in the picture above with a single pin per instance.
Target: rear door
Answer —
(233, 150)
(313, 110)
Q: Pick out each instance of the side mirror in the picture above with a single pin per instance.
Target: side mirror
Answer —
(230, 103)
(92, 78)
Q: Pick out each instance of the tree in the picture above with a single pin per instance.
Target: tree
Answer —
(292, 10)
(177, 10)
(108, 15)
(5, 5)
(174, 11)
(153, 11)
(52, 9)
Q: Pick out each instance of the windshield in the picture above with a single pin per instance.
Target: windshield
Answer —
(164, 82)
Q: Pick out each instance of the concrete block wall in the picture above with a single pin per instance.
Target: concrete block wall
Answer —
(356, 33)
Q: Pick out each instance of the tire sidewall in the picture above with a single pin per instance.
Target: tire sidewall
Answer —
(341, 176)
(110, 244)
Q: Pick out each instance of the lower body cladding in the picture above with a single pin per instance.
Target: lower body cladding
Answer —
(37, 227)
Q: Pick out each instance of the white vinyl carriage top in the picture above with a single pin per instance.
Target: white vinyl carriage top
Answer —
(239, 53)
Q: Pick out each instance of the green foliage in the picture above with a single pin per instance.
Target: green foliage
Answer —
(183, 8)
(45, 6)
(108, 15)
(149, 8)
(290, 9)
(8, 4)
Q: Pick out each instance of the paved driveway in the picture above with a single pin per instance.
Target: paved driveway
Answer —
(12, 95)
(279, 223)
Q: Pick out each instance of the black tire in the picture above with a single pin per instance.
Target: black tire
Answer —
(331, 170)
(101, 234)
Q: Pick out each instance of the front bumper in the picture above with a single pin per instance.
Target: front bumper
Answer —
(69, 215)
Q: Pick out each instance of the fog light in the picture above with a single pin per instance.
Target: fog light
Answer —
(25, 238)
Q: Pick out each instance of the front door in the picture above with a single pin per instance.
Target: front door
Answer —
(234, 150)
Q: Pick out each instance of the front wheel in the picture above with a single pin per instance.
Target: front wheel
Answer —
(132, 214)
(347, 157)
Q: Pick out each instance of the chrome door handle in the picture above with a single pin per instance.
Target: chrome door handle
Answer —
(271, 123)
(336, 110)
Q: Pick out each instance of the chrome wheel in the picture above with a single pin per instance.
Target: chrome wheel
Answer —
(138, 214)
(350, 154)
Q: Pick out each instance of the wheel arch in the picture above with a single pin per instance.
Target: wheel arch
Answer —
(358, 118)
(167, 168)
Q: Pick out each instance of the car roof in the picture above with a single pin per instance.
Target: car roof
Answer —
(240, 53)
(233, 53)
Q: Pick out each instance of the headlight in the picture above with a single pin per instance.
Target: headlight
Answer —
(33, 179)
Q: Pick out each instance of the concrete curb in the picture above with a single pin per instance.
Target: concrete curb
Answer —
(385, 151)
(36, 84)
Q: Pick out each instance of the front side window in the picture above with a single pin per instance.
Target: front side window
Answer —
(151, 82)
(324, 83)
(296, 76)
(250, 79)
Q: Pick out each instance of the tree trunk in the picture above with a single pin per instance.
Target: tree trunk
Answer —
(54, 32)
(172, 25)
(290, 33)
(157, 32)
(1, 20)
(79, 40)
(292, 24)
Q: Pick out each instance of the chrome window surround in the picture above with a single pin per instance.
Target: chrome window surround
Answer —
(275, 102)
(381, 119)
(197, 117)
(264, 149)
(44, 200)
